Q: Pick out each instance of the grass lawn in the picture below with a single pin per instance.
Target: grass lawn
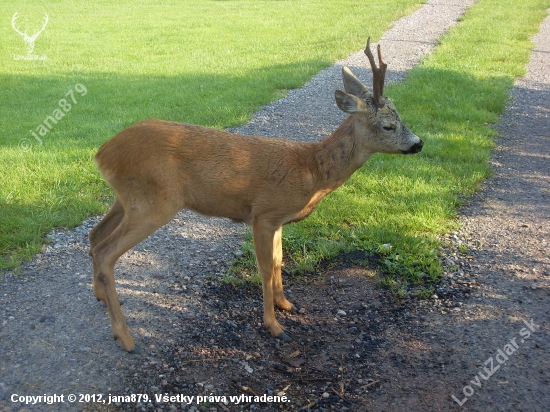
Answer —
(211, 63)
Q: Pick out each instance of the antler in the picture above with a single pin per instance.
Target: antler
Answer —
(46, 22)
(25, 35)
(378, 75)
(29, 39)
(15, 28)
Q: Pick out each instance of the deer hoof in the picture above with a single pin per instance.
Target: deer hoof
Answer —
(284, 336)
(136, 351)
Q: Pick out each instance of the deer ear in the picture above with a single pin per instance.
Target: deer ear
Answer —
(348, 103)
(352, 84)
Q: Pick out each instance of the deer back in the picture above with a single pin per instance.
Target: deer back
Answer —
(212, 172)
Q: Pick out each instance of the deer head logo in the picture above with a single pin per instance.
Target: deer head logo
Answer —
(29, 39)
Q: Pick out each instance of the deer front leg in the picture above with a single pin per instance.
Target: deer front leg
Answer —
(267, 243)
(277, 280)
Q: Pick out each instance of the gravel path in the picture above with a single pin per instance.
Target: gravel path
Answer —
(507, 225)
(55, 338)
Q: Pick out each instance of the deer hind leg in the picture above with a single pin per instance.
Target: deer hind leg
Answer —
(135, 226)
(103, 229)
(267, 243)
(277, 280)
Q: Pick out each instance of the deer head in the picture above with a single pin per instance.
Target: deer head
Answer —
(374, 113)
(29, 39)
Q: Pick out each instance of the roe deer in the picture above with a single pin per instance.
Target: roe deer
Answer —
(157, 168)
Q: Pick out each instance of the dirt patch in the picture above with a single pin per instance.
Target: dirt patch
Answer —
(347, 338)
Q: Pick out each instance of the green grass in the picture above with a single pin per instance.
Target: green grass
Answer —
(211, 63)
(397, 206)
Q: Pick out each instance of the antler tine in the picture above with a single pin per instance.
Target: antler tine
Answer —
(44, 26)
(15, 16)
(378, 75)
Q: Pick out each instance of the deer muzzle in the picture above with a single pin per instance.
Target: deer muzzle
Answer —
(415, 148)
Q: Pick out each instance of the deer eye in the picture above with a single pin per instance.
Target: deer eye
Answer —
(389, 128)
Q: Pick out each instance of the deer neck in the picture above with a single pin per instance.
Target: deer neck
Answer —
(339, 155)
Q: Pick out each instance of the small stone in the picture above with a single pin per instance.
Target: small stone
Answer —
(533, 287)
(325, 395)
(341, 313)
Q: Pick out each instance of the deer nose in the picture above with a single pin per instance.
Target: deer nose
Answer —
(415, 148)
